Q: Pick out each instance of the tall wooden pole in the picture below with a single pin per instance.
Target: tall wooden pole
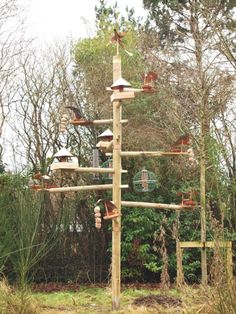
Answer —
(116, 192)
(203, 204)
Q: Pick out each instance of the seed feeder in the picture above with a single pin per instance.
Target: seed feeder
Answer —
(144, 181)
(105, 141)
(63, 160)
(120, 84)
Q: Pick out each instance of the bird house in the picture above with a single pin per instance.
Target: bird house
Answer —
(120, 93)
(63, 159)
(105, 143)
(106, 136)
(120, 84)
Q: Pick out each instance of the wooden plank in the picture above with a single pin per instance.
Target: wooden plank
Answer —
(207, 244)
(98, 170)
(64, 166)
(116, 96)
(99, 122)
(152, 205)
(84, 188)
(152, 154)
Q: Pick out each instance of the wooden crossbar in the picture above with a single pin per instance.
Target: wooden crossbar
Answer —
(207, 244)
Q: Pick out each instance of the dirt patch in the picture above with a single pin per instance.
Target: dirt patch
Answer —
(154, 300)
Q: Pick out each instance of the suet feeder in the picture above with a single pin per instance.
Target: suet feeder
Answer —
(144, 181)
(63, 160)
(120, 84)
(98, 220)
(105, 141)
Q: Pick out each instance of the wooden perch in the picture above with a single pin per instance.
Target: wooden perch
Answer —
(84, 188)
(97, 170)
(152, 154)
(98, 122)
(153, 205)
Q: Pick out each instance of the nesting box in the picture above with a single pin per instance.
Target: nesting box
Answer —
(105, 141)
(63, 159)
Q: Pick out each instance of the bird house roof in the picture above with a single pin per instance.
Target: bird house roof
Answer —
(120, 82)
(63, 153)
(106, 133)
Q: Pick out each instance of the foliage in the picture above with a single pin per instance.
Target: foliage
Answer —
(29, 229)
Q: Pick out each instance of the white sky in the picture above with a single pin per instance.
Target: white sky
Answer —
(55, 19)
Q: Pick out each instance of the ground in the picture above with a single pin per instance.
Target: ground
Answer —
(140, 299)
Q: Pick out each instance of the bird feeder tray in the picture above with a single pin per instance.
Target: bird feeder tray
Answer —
(144, 181)
(111, 210)
(64, 165)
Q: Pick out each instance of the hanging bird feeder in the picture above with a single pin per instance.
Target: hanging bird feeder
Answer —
(63, 159)
(145, 181)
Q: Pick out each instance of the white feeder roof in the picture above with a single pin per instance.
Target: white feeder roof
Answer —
(106, 133)
(120, 82)
(63, 153)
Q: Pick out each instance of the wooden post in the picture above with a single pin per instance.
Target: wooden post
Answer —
(229, 258)
(179, 257)
(203, 204)
(116, 192)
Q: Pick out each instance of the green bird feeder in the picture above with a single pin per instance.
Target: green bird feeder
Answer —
(144, 181)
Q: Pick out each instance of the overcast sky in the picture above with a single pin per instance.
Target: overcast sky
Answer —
(54, 19)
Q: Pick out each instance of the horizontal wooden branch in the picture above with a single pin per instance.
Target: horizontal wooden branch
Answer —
(152, 205)
(152, 154)
(84, 188)
(207, 244)
(98, 122)
(97, 170)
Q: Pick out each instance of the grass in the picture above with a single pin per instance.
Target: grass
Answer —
(89, 300)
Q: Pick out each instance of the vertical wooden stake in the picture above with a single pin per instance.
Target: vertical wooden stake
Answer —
(229, 257)
(203, 204)
(116, 192)
(179, 257)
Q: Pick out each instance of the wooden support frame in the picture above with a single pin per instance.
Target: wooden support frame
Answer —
(181, 245)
